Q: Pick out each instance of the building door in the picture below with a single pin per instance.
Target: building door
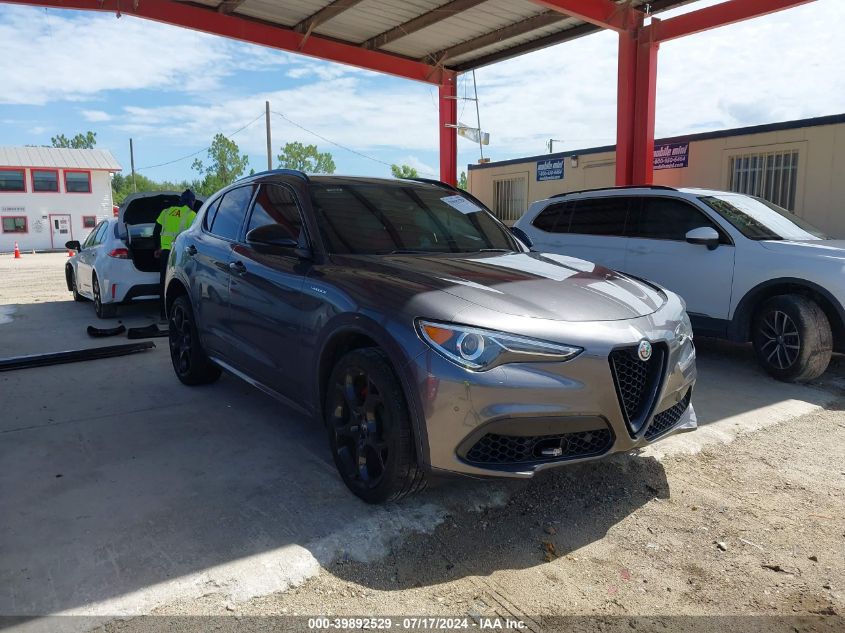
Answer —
(60, 230)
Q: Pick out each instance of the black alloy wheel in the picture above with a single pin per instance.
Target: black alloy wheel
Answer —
(191, 364)
(792, 338)
(369, 428)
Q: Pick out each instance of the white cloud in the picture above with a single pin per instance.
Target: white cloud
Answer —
(96, 116)
(424, 169)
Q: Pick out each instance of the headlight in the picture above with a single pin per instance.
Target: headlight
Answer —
(479, 349)
(683, 331)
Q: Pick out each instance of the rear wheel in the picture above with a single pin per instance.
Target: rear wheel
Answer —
(370, 428)
(190, 362)
(103, 310)
(792, 338)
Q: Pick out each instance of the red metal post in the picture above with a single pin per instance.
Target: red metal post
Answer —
(625, 101)
(644, 106)
(449, 135)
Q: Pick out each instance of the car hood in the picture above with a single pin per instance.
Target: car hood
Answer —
(535, 285)
(816, 248)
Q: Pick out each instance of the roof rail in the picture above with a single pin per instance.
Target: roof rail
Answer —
(569, 193)
(282, 172)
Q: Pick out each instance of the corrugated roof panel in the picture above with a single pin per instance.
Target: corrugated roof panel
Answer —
(372, 17)
(287, 13)
(62, 158)
(503, 45)
(485, 18)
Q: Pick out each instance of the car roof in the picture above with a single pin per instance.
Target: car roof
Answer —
(639, 190)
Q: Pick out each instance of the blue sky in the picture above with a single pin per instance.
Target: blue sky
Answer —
(171, 90)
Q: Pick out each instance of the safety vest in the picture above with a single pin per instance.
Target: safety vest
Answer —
(173, 221)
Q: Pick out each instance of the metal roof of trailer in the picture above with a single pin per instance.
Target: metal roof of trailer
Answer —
(58, 157)
(456, 34)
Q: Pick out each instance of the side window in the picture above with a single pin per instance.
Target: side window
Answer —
(668, 219)
(599, 216)
(101, 233)
(276, 204)
(230, 213)
(554, 218)
(208, 219)
(89, 241)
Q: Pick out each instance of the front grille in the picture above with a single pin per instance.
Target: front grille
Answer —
(665, 420)
(637, 382)
(516, 449)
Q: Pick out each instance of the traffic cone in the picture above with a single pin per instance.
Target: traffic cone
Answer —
(69, 253)
(17, 251)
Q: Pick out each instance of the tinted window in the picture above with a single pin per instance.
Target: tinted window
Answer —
(208, 219)
(230, 213)
(11, 180)
(276, 205)
(45, 180)
(384, 218)
(78, 182)
(667, 219)
(598, 216)
(555, 218)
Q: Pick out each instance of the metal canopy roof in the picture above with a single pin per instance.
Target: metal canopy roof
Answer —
(456, 34)
(58, 157)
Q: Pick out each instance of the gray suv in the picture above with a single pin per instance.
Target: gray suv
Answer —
(423, 335)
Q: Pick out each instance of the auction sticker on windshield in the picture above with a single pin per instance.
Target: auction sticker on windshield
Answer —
(461, 204)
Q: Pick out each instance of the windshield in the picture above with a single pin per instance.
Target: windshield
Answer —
(362, 218)
(759, 219)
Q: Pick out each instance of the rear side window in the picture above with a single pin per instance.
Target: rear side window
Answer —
(275, 204)
(230, 213)
(666, 219)
(599, 216)
(554, 218)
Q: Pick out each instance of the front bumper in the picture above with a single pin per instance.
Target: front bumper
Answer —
(521, 418)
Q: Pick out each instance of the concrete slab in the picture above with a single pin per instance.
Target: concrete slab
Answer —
(122, 490)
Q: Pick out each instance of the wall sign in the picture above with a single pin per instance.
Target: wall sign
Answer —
(13, 209)
(671, 156)
(551, 169)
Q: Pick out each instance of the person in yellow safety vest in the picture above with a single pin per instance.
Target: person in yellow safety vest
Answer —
(170, 223)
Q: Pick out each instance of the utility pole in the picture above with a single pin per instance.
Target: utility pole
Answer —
(132, 162)
(478, 118)
(269, 142)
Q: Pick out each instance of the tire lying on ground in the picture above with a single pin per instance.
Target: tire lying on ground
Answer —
(792, 338)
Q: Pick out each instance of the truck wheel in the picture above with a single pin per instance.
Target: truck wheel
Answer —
(792, 338)
(103, 310)
(190, 362)
(370, 428)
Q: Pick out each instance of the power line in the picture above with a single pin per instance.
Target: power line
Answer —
(336, 144)
(205, 149)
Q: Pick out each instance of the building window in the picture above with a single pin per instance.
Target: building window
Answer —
(78, 181)
(510, 196)
(45, 180)
(14, 224)
(772, 176)
(12, 180)
(89, 221)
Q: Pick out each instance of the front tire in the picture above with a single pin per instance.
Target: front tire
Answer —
(103, 310)
(369, 428)
(73, 287)
(190, 362)
(792, 338)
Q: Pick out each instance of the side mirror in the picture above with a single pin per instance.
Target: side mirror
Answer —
(704, 236)
(73, 245)
(276, 235)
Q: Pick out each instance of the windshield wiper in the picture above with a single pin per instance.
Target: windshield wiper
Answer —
(493, 250)
(408, 251)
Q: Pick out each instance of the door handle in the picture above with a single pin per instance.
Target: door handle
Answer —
(237, 268)
(191, 250)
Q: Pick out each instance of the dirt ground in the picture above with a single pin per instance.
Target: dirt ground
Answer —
(756, 527)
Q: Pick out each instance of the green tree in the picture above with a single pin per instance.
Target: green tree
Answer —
(306, 158)
(225, 165)
(80, 141)
(403, 171)
(121, 186)
(462, 181)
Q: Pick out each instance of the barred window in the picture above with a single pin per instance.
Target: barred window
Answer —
(510, 198)
(772, 176)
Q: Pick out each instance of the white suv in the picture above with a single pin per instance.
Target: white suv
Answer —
(747, 269)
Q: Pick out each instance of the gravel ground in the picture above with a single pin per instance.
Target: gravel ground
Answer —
(35, 278)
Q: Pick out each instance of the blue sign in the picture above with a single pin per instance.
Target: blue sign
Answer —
(671, 156)
(551, 169)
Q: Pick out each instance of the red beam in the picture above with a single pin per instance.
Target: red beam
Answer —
(603, 13)
(625, 102)
(718, 15)
(209, 20)
(644, 110)
(449, 135)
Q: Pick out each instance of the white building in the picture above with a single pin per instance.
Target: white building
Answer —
(51, 195)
